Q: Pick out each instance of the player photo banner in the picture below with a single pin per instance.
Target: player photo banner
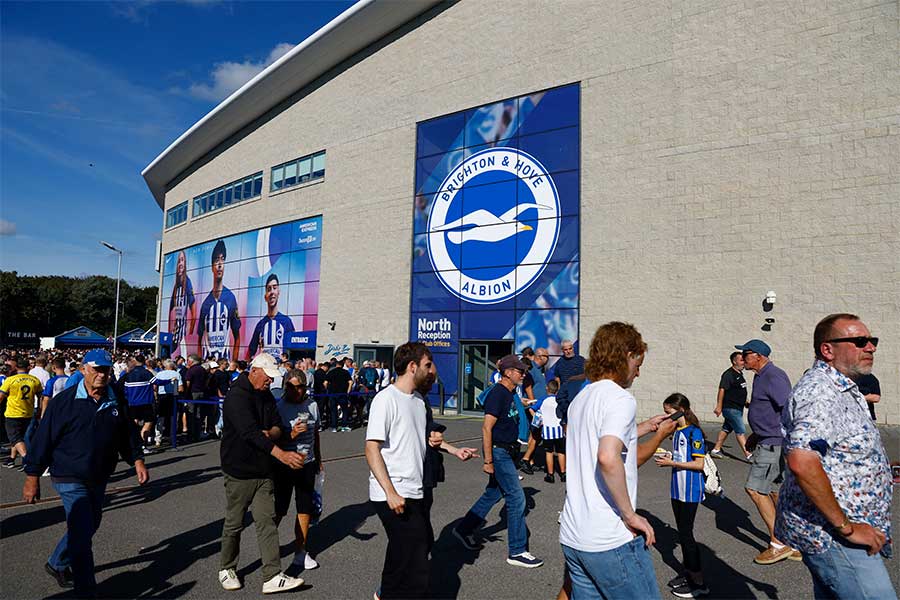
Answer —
(496, 226)
(253, 292)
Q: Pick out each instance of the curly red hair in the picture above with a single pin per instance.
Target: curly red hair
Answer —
(610, 348)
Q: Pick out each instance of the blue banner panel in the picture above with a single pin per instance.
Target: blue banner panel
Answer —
(248, 293)
(496, 227)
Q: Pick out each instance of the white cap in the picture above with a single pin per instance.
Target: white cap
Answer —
(267, 363)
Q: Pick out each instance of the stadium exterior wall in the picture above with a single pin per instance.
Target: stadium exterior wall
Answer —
(727, 149)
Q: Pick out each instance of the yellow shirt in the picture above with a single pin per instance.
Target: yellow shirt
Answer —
(21, 390)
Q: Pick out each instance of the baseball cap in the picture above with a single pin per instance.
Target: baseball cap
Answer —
(97, 358)
(758, 346)
(267, 363)
(511, 361)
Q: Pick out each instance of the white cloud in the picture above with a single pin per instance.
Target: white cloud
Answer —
(229, 76)
(7, 227)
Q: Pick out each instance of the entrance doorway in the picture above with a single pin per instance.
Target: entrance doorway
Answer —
(479, 361)
(383, 354)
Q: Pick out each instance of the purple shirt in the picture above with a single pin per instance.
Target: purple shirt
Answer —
(771, 389)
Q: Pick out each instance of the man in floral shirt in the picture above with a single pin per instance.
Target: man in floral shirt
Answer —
(835, 504)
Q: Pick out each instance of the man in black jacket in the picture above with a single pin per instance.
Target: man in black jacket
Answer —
(251, 426)
(82, 433)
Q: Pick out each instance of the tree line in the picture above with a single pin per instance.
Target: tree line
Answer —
(47, 305)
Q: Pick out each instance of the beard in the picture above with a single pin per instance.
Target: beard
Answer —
(423, 381)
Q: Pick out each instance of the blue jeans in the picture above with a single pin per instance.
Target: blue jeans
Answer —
(847, 572)
(504, 483)
(734, 421)
(83, 504)
(625, 572)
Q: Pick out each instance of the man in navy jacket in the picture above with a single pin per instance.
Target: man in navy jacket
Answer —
(84, 431)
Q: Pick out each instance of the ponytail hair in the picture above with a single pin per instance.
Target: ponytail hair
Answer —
(680, 402)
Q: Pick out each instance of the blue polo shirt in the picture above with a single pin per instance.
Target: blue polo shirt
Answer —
(771, 390)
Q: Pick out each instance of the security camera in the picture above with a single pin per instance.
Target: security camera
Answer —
(770, 297)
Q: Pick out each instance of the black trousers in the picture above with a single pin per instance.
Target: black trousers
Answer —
(405, 572)
(685, 512)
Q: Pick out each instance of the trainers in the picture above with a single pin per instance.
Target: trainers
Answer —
(678, 581)
(9, 464)
(527, 467)
(46, 472)
(795, 555)
(63, 578)
(748, 457)
(549, 478)
(229, 580)
(716, 453)
(691, 590)
(304, 560)
(526, 559)
(21, 468)
(772, 555)
(467, 540)
(562, 477)
(333, 430)
(281, 583)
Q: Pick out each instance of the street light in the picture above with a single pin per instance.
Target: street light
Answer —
(118, 281)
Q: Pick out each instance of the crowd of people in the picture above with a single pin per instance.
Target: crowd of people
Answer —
(815, 441)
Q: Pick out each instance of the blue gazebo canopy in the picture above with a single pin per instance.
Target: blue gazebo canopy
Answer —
(81, 336)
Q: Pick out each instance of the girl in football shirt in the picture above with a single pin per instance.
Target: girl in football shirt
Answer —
(686, 461)
(182, 311)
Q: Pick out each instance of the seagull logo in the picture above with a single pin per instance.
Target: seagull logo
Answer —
(483, 226)
(509, 216)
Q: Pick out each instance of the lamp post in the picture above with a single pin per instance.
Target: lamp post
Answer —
(118, 282)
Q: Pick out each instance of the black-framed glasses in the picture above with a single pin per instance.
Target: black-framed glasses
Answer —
(860, 341)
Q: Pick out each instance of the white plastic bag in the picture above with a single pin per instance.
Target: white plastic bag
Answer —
(318, 495)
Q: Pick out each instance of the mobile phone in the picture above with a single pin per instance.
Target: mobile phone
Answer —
(676, 415)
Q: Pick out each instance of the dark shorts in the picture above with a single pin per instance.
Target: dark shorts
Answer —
(300, 483)
(166, 405)
(16, 428)
(558, 445)
(144, 412)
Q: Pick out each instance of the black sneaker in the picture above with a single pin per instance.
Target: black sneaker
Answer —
(467, 540)
(9, 464)
(677, 581)
(63, 578)
(527, 467)
(562, 477)
(21, 468)
(549, 478)
(691, 590)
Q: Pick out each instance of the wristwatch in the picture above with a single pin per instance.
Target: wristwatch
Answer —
(844, 524)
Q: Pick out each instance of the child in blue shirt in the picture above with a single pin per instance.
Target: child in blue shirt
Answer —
(686, 461)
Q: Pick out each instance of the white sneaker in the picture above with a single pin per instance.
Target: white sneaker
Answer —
(303, 559)
(281, 583)
(46, 472)
(229, 580)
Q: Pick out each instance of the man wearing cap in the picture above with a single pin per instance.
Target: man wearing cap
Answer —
(771, 389)
(81, 436)
(500, 432)
(835, 504)
(251, 427)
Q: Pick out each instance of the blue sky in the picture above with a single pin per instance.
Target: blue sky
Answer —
(92, 92)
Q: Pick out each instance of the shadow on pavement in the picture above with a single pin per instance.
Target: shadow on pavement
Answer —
(167, 559)
(735, 521)
(25, 522)
(124, 475)
(723, 580)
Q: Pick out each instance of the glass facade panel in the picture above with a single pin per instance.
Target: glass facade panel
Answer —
(301, 170)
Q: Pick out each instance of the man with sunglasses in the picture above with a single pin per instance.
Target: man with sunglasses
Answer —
(771, 388)
(835, 505)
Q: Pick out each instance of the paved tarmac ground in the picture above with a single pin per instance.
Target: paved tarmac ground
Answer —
(162, 540)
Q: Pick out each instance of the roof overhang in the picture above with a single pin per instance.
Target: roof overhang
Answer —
(362, 24)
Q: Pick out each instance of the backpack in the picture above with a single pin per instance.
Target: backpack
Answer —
(712, 481)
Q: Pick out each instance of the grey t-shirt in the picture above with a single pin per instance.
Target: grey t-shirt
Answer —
(306, 441)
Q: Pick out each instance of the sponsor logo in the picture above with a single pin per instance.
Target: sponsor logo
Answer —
(511, 209)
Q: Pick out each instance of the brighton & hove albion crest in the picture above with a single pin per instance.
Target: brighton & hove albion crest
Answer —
(493, 225)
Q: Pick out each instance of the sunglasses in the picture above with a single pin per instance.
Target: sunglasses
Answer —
(859, 341)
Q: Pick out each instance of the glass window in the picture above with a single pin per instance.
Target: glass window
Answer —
(277, 178)
(237, 192)
(318, 165)
(257, 185)
(228, 195)
(305, 169)
(248, 189)
(220, 198)
(290, 174)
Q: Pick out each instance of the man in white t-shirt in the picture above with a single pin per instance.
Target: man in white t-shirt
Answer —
(604, 540)
(395, 451)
